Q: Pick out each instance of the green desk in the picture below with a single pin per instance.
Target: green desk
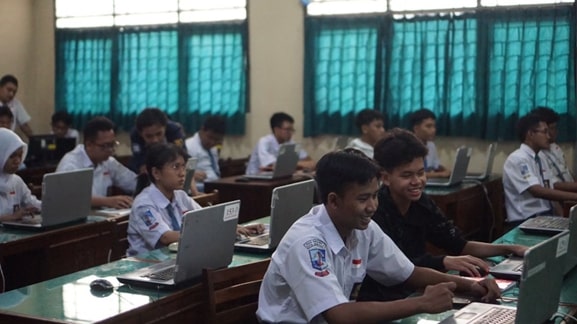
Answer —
(69, 298)
(28, 257)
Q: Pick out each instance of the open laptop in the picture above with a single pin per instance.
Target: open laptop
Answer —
(288, 203)
(459, 170)
(341, 143)
(490, 157)
(65, 199)
(285, 166)
(539, 289)
(545, 225)
(206, 240)
(47, 149)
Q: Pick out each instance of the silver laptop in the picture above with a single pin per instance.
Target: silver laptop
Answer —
(190, 168)
(539, 290)
(545, 225)
(288, 203)
(285, 166)
(459, 170)
(490, 157)
(206, 240)
(341, 143)
(66, 199)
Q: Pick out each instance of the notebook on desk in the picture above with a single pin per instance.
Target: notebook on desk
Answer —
(285, 166)
(288, 203)
(206, 240)
(490, 157)
(66, 199)
(459, 170)
(47, 149)
(539, 289)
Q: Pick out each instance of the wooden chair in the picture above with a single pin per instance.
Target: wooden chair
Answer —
(232, 293)
(207, 199)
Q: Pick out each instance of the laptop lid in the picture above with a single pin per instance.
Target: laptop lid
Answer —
(571, 259)
(285, 166)
(459, 169)
(47, 149)
(539, 289)
(66, 199)
(288, 204)
(206, 240)
(490, 157)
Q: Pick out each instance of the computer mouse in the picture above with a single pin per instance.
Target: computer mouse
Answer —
(101, 285)
(173, 247)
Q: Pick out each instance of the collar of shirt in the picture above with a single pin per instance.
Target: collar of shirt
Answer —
(332, 236)
(525, 148)
(86, 162)
(157, 197)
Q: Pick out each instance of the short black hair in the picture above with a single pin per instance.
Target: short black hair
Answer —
(367, 116)
(336, 171)
(398, 147)
(277, 119)
(549, 115)
(216, 124)
(418, 116)
(95, 125)
(8, 78)
(62, 116)
(149, 117)
(5, 111)
(527, 123)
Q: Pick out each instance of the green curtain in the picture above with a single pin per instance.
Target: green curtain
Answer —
(531, 55)
(189, 71)
(340, 68)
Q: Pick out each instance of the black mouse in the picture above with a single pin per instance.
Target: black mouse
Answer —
(101, 285)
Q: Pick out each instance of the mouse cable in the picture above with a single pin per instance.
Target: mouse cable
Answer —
(493, 216)
(565, 316)
(109, 255)
(3, 279)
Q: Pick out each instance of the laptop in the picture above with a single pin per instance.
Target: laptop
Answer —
(512, 267)
(539, 289)
(47, 149)
(66, 199)
(190, 168)
(341, 143)
(490, 157)
(285, 166)
(545, 225)
(206, 240)
(459, 170)
(288, 203)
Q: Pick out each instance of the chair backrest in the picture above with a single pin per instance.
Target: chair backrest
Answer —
(232, 293)
(207, 199)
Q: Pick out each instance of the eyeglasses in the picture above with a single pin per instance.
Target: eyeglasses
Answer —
(542, 131)
(288, 129)
(108, 146)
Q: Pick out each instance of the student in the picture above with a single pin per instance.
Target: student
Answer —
(61, 126)
(8, 89)
(554, 154)
(371, 124)
(264, 155)
(530, 187)
(6, 117)
(423, 125)
(160, 202)
(203, 147)
(96, 152)
(328, 252)
(152, 126)
(16, 200)
(412, 219)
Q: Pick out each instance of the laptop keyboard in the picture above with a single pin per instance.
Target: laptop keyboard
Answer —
(553, 222)
(164, 275)
(259, 240)
(497, 316)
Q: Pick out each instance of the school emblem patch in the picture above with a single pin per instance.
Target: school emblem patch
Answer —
(525, 171)
(317, 250)
(149, 220)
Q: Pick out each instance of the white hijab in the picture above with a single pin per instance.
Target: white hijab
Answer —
(9, 143)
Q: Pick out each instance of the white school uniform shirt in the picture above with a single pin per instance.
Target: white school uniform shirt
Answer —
(203, 163)
(313, 270)
(432, 161)
(362, 146)
(556, 162)
(21, 116)
(149, 218)
(266, 152)
(520, 172)
(106, 174)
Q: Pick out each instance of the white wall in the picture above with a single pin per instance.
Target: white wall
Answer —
(276, 30)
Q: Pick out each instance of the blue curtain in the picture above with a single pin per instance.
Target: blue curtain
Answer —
(188, 71)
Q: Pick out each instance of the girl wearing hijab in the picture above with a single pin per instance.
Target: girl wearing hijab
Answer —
(16, 200)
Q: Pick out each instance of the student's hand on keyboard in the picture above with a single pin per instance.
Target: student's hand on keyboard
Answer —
(119, 202)
(518, 250)
(437, 298)
(250, 230)
(469, 265)
(487, 289)
(21, 213)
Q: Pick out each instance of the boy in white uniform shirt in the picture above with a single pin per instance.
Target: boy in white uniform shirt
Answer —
(8, 89)
(318, 265)
(371, 124)
(424, 125)
(203, 147)
(96, 152)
